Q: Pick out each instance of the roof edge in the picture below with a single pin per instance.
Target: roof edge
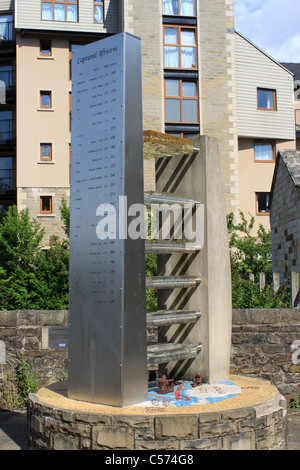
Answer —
(263, 52)
(284, 155)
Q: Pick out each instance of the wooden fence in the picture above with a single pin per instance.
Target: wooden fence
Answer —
(294, 284)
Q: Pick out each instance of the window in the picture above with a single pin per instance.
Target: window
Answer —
(64, 10)
(180, 49)
(179, 7)
(46, 152)
(181, 101)
(184, 135)
(46, 204)
(262, 203)
(98, 11)
(264, 151)
(45, 48)
(6, 174)
(45, 100)
(7, 126)
(72, 48)
(6, 28)
(266, 99)
(7, 75)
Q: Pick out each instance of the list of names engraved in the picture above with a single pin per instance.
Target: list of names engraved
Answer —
(96, 172)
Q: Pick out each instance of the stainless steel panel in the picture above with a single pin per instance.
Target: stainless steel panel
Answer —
(100, 269)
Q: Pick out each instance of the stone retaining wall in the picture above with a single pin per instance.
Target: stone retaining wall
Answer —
(55, 428)
(27, 332)
(262, 345)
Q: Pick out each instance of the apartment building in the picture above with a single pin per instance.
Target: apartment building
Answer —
(265, 124)
(295, 69)
(7, 106)
(187, 88)
(192, 76)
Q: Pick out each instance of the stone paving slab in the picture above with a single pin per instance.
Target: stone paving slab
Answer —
(293, 430)
(13, 430)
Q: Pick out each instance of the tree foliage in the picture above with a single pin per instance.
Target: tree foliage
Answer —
(30, 276)
(252, 254)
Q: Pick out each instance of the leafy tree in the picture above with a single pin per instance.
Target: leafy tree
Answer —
(65, 216)
(31, 277)
(52, 272)
(20, 239)
(252, 254)
(249, 253)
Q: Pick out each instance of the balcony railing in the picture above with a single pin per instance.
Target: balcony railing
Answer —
(7, 180)
(7, 130)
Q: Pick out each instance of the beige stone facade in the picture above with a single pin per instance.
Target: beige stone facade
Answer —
(217, 77)
(52, 223)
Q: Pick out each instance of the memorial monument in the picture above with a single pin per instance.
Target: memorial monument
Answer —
(108, 403)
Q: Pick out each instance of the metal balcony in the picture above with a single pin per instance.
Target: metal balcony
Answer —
(7, 182)
(7, 131)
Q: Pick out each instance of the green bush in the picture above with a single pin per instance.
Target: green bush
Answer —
(151, 270)
(26, 379)
(252, 254)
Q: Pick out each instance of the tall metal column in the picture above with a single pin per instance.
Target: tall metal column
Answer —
(107, 332)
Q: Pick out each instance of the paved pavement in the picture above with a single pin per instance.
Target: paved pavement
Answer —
(294, 429)
(13, 430)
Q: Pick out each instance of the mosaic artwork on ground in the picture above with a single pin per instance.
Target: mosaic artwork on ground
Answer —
(185, 394)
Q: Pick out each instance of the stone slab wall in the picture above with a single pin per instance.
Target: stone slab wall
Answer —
(285, 224)
(54, 428)
(266, 344)
(25, 331)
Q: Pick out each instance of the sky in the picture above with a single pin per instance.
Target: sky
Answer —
(272, 25)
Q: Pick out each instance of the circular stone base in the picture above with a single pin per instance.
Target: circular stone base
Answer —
(253, 419)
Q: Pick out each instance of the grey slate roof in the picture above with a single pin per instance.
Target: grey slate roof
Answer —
(291, 159)
(294, 68)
